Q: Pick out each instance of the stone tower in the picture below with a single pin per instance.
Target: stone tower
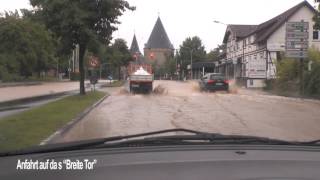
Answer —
(158, 49)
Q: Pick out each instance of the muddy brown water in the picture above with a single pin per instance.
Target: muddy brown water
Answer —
(182, 105)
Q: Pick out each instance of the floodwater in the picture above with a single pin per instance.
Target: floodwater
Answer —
(182, 105)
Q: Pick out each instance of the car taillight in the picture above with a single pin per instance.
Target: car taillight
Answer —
(226, 81)
(210, 81)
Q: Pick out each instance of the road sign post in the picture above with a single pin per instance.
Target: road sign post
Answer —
(297, 43)
(301, 76)
(93, 64)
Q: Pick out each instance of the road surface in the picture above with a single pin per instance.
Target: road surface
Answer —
(183, 106)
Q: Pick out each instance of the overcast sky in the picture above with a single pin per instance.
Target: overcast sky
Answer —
(185, 18)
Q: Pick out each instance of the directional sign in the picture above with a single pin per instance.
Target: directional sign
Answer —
(297, 45)
(297, 54)
(297, 38)
(297, 35)
(297, 25)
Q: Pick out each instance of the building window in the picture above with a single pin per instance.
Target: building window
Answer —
(315, 35)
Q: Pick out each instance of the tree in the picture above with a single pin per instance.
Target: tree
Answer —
(316, 19)
(195, 45)
(81, 21)
(119, 55)
(170, 67)
(215, 54)
(25, 47)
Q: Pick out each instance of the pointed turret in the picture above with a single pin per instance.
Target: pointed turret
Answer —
(158, 38)
(134, 49)
(135, 52)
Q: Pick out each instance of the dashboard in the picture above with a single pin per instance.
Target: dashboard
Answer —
(209, 162)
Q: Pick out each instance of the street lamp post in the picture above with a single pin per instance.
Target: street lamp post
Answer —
(233, 65)
(219, 22)
(191, 59)
(191, 65)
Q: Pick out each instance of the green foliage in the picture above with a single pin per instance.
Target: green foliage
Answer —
(214, 54)
(312, 78)
(195, 45)
(166, 70)
(120, 53)
(117, 55)
(80, 22)
(25, 47)
(316, 19)
(29, 128)
(288, 75)
(170, 67)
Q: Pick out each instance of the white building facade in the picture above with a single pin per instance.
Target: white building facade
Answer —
(254, 50)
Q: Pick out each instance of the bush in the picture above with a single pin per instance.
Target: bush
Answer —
(8, 77)
(312, 78)
(288, 75)
(270, 84)
(312, 81)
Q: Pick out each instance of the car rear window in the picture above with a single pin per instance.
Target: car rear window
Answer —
(216, 76)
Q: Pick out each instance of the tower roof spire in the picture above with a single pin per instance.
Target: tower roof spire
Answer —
(159, 38)
(134, 45)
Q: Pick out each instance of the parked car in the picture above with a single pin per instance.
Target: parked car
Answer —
(214, 82)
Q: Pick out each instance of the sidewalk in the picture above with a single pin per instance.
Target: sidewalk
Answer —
(20, 92)
(43, 89)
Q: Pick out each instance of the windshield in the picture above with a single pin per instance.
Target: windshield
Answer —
(97, 69)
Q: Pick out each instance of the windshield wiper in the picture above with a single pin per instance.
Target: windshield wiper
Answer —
(197, 139)
(144, 139)
(87, 143)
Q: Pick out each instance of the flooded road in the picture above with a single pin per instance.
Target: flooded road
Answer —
(181, 105)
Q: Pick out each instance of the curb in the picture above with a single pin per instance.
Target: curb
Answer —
(52, 138)
(4, 85)
(10, 103)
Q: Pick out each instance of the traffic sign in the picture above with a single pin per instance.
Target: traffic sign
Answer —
(297, 45)
(297, 35)
(298, 25)
(297, 39)
(296, 54)
(94, 62)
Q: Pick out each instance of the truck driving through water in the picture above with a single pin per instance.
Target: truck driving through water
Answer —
(140, 78)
